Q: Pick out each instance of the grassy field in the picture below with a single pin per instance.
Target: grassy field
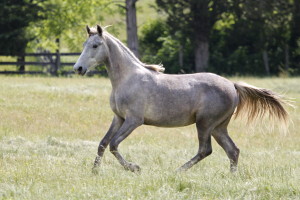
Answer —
(50, 129)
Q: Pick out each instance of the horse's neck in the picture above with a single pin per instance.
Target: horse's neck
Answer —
(120, 64)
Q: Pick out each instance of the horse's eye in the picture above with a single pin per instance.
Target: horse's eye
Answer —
(95, 46)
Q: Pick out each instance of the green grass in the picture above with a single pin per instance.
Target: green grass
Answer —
(50, 129)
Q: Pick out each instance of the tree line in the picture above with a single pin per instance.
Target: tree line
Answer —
(224, 36)
(233, 37)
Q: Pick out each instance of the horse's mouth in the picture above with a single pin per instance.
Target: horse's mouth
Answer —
(83, 72)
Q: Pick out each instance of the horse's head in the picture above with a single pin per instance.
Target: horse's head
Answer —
(94, 52)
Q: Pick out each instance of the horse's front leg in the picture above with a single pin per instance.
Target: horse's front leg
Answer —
(114, 127)
(128, 126)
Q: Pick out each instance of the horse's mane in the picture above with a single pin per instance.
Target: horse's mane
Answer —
(153, 67)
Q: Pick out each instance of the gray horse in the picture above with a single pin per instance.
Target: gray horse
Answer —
(141, 94)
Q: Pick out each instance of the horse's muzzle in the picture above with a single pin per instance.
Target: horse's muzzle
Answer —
(80, 70)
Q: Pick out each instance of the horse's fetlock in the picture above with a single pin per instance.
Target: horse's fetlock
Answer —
(97, 161)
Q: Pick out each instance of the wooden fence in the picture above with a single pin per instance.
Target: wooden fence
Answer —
(50, 61)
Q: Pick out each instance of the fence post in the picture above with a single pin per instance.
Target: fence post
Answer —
(56, 66)
(21, 67)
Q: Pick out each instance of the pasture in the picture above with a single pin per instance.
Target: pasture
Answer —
(50, 129)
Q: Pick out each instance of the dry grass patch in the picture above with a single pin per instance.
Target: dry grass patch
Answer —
(50, 129)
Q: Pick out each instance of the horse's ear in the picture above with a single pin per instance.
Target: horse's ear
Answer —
(99, 30)
(88, 30)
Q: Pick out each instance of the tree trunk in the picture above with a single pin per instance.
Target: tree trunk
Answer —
(295, 25)
(180, 56)
(287, 58)
(201, 23)
(295, 35)
(131, 27)
(201, 52)
(266, 62)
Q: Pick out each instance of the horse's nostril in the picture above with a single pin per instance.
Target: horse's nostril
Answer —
(80, 69)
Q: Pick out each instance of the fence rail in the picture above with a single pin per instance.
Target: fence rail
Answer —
(33, 63)
(52, 60)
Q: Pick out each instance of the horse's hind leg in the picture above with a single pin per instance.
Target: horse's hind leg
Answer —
(220, 134)
(128, 126)
(205, 149)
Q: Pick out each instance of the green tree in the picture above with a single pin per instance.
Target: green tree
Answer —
(294, 42)
(131, 27)
(128, 8)
(241, 36)
(158, 45)
(194, 19)
(64, 21)
(256, 40)
(15, 17)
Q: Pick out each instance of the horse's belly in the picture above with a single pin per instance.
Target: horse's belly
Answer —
(169, 120)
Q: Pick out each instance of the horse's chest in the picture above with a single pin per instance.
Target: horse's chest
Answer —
(120, 104)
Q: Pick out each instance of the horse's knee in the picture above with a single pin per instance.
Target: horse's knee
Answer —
(113, 146)
(101, 149)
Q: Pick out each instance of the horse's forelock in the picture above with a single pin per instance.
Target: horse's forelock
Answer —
(93, 31)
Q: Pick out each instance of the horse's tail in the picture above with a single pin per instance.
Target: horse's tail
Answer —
(256, 102)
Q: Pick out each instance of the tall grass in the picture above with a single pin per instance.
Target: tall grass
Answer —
(50, 129)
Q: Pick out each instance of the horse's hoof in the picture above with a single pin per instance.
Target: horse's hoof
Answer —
(97, 162)
(233, 170)
(181, 169)
(133, 168)
(95, 170)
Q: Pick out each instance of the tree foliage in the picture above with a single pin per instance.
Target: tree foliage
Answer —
(158, 45)
(64, 19)
(15, 17)
(222, 36)
(36, 24)
(255, 42)
(194, 19)
(245, 36)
